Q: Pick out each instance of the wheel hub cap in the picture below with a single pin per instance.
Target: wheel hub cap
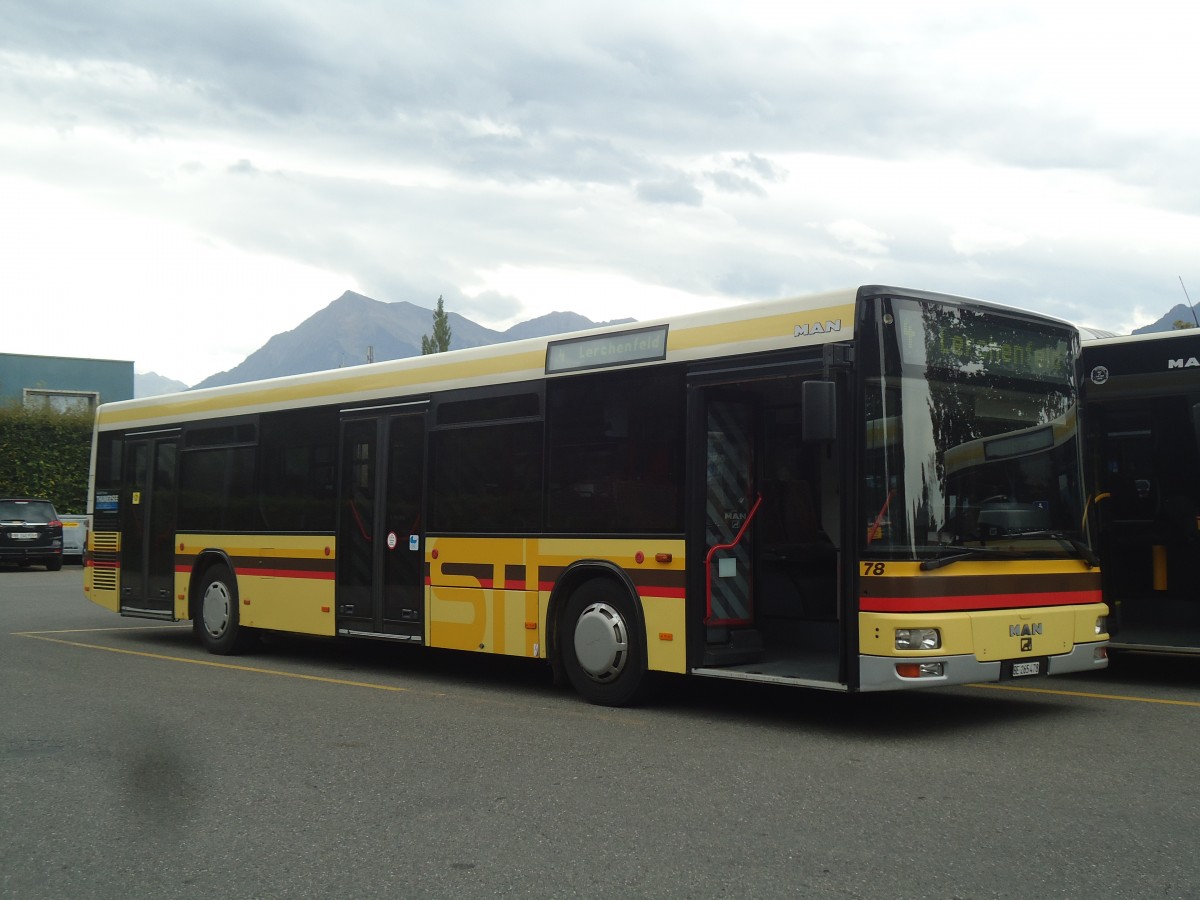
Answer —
(601, 642)
(216, 609)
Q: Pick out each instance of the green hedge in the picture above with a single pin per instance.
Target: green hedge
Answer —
(45, 454)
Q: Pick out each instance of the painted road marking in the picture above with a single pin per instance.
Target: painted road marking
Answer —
(44, 636)
(1087, 694)
(590, 712)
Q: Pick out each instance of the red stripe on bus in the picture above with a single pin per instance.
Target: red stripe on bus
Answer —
(270, 573)
(487, 584)
(972, 602)
(288, 573)
(663, 592)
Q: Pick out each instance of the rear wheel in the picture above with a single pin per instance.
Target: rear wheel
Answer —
(215, 619)
(601, 644)
(54, 565)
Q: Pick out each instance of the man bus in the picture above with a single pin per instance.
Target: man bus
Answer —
(757, 493)
(1142, 403)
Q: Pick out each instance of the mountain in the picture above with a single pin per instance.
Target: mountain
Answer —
(151, 384)
(341, 333)
(1180, 313)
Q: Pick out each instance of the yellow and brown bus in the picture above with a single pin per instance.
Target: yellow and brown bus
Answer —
(758, 493)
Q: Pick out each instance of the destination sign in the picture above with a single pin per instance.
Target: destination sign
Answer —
(604, 350)
(971, 343)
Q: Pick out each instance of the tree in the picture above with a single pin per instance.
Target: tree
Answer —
(1180, 324)
(440, 341)
(44, 453)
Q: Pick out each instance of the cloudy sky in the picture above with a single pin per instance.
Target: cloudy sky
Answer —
(181, 180)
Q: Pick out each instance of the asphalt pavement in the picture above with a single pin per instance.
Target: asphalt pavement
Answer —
(133, 764)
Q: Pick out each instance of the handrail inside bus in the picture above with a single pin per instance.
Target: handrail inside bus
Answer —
(874, 532)
(1092, 500)
(712, 551)
(358, 520)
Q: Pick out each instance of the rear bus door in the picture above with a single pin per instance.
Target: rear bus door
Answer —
(147, 509)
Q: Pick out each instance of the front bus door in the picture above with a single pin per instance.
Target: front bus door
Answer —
(771, 530)
(380, 559)
(148, 525)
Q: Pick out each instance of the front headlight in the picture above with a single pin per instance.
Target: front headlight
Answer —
(918, 639)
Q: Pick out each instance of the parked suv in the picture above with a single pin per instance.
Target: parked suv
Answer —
(30, 532)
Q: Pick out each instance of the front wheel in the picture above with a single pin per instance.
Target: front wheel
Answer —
(215, 620)
(601, 644)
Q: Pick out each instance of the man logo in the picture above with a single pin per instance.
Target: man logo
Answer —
(818, 328)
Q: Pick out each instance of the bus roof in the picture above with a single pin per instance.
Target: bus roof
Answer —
(1107, 339)
(735, 330)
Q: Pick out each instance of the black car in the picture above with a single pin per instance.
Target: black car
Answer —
(30, 532)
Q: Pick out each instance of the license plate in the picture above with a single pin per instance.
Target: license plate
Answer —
(1026, 668)
(23, 535)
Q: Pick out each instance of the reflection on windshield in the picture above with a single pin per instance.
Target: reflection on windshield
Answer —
(970, 432)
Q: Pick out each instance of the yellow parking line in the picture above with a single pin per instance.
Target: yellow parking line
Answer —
(1089, 695)
(41, 636)
(181, 627)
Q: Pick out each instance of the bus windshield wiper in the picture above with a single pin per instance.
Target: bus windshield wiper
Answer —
(1086, 552)
(966, 553)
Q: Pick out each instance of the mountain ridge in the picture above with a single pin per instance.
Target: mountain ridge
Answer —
(354, 327)
(1181, 312)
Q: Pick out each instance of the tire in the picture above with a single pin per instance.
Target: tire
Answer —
(601, 644)
(54, 565)
(215, 619)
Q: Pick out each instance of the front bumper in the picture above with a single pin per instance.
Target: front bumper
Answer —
(878, 673)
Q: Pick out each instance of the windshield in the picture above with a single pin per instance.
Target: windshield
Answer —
(26, 511)
(970, 432)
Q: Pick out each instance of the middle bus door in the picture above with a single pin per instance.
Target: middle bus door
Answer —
(381, 555)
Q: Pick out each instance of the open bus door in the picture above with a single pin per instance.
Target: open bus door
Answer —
(147, 510)
(1149, 517)
(768, 554)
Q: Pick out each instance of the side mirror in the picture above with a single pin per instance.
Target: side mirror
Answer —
(818, 412)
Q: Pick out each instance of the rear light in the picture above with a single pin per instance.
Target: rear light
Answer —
(54, 522)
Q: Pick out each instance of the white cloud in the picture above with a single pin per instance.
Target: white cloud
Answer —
(215, 173)
(598, 295)
(858, 237)
(86, 280)
(971, 238)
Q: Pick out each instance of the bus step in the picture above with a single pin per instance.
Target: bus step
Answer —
(741, 646)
